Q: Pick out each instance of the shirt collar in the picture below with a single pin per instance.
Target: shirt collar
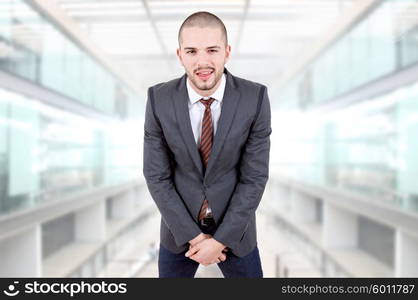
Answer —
(217, 95)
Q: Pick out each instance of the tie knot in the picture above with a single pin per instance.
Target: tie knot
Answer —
(207, 102)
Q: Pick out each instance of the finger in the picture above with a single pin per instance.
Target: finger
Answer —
(191, 251)
(197, 259)
(222, 257)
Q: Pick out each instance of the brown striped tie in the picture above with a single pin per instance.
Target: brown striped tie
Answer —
(206, 141)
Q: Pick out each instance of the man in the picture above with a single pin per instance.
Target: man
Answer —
(206, 156)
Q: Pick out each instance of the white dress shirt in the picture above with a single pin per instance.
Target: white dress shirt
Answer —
(197, 109)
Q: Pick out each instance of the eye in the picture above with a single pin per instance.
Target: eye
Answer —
(190, 51)
(213, 50)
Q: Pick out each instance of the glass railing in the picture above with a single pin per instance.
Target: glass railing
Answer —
(384, 42)
(368, 148)
(47, 154)
(32, 47)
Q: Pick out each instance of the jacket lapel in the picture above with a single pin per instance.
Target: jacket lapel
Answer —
(229, 107)
(181, 108)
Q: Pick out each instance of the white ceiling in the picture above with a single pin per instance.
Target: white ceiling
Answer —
(266, 36)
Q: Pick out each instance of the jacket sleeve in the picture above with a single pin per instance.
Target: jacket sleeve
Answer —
(253, 169)
(158, 176)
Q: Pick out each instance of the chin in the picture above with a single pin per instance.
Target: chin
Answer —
(207, 87)
(203, 85)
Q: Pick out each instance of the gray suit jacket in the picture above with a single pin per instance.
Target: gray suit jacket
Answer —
(237, 170)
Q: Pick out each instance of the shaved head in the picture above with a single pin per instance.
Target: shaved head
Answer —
(203, 19)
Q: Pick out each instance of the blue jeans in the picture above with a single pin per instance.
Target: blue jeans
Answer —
(177, 265)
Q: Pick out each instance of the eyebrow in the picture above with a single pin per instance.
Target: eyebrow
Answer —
(210, 47)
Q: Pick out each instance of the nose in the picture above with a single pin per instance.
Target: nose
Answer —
(202, 59)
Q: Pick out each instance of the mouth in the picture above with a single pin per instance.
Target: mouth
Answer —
(204, 74)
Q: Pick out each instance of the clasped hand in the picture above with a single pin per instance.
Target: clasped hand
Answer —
(205, 250)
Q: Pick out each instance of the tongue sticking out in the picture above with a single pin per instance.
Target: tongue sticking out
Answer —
(204, 75)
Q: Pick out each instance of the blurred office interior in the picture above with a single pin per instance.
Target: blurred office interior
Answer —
(342, 75)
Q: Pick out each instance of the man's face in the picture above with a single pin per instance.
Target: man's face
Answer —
(203, 54)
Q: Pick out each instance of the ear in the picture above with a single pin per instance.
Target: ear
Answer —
(227, 53)
(178, 52)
